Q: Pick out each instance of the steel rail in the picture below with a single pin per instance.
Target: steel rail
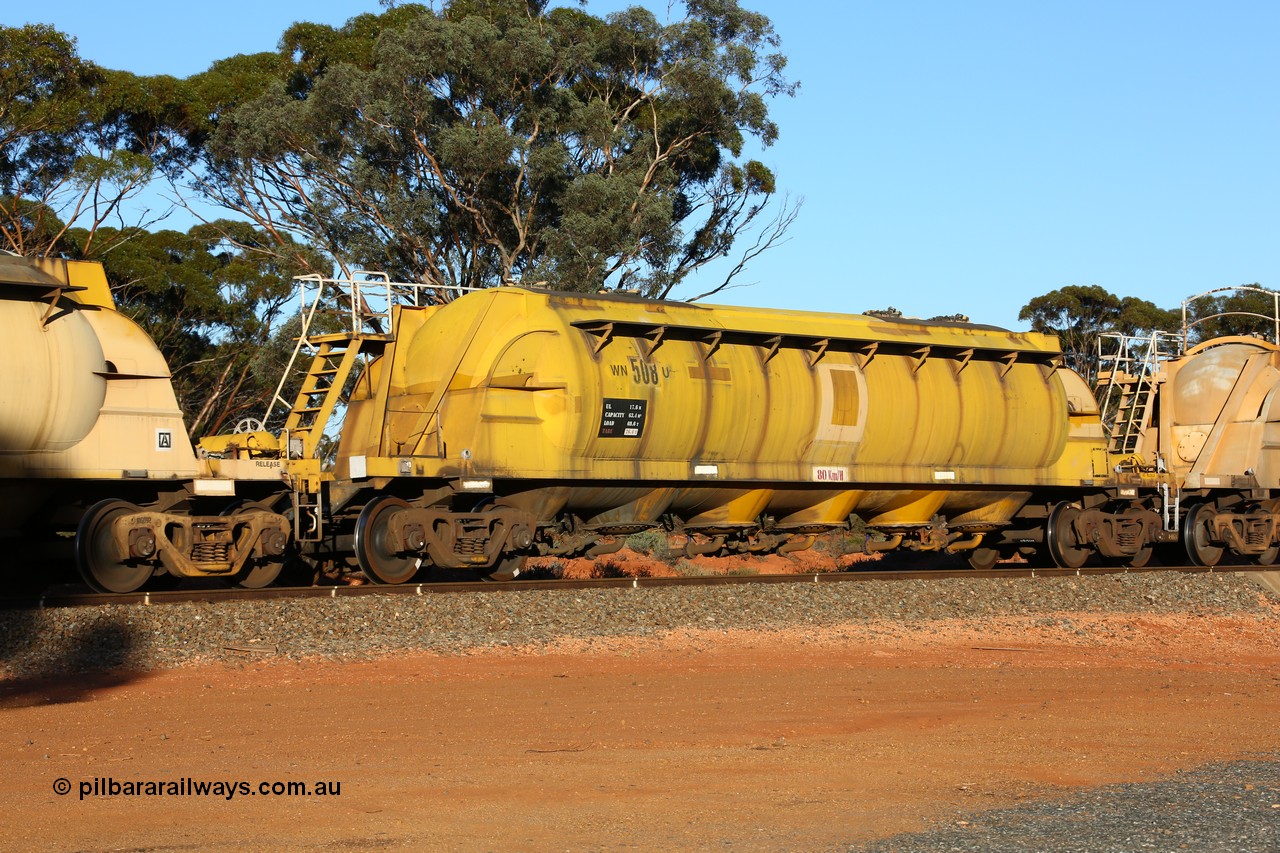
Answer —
(71, 597)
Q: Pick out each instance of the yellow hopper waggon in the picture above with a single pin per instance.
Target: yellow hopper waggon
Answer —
(480, 429)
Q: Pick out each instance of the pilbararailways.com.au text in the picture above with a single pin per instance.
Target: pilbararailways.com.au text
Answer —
(229, 789)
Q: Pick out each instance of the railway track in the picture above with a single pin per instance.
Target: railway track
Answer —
(71, 596)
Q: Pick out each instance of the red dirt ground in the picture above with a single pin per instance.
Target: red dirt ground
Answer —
(780, 741)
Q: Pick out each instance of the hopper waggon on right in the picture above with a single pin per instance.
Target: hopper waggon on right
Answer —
(483, 428)
(1193, 435)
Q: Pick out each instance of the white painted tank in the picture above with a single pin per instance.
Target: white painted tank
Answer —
(51, 385)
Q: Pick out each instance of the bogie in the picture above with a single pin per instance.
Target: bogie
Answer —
(477, 428)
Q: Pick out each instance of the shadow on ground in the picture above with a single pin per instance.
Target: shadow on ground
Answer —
(90, 653)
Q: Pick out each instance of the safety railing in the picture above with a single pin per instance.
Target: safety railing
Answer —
(363, 307)
(1125, 385)
(1190, 320)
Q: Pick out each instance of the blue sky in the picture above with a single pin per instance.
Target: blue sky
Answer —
(952, 156)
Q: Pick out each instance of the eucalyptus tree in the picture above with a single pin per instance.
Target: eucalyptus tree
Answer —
(1247, 310)
(78, 144)
(1078, 315)
(217, 309)
(489, 141)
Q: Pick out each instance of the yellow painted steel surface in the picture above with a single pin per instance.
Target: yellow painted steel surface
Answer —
(87, 277)
(721, 413)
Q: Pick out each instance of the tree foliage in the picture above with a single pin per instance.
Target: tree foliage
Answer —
(497, 140)
(77, 145)
(1247, 310)
(1078, 315)
(215, 311)
(77, 142)
(474, 143)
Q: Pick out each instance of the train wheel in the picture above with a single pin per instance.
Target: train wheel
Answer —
(1197, 536)
(1134, 561)
(507, 568)
(983, 558)
(1060, 538)
(259, 575)
(1267, 557)
(263, 572)
(1140, 559)
(1143, 557)
(101, 564)
(378, 561)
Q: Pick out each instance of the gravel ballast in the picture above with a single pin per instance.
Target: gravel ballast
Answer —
(1227, 807)
(65, 640)
(1220, 808)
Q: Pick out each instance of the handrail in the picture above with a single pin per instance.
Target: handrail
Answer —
(366, 299)
(1134, 360)
(1274, 317)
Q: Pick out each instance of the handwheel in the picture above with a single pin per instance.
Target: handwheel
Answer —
(248, 425)
(1197, 536)
(1060, 538)
(99, 561)
(378, 560)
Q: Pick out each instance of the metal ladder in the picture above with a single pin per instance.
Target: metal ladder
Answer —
(1133, 413)
(360, 303)
(334, 357)
(1126, 385)
(331, 366)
